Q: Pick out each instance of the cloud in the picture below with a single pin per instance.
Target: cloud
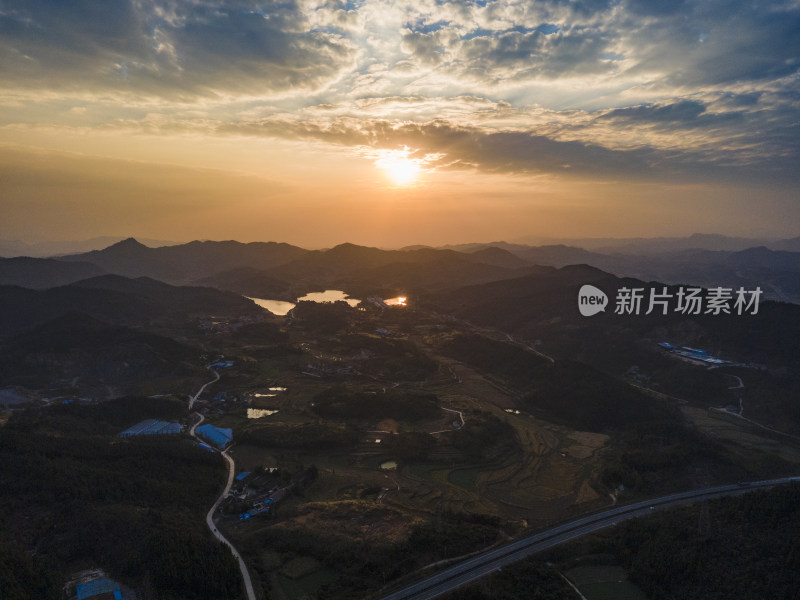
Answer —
(680, 114)
(714, 43)
(167, 48)
(187, 49)
(692, 88)
(529, 152)
(653, 8)
(426, 48)
(513, 55)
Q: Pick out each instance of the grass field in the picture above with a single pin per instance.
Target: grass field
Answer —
(539, 478)
(464, 478)
(728, 428)
(304, 587)
(604, 583)
(300, 567)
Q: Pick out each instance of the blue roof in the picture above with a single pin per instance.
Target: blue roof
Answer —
(695, 350)
(218, 436)
(242, 475)
(96, 587)
(152, 427)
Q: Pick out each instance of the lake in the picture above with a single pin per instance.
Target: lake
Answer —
(276, 307)
(330, 296)
(281, 308)
(257, 413)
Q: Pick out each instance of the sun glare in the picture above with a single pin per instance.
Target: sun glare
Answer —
(399, 168)
(399, 301)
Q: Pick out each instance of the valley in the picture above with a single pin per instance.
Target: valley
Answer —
(372, 441)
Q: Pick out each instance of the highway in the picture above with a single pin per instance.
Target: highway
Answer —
(492, 560)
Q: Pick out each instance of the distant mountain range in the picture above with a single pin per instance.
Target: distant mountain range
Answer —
(544, 306)
(282, 271)
(517, 292)
(697, 241)
(14, 248)
(776, 272)
(185, 263)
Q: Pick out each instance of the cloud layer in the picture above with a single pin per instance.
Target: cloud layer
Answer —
(693, 89)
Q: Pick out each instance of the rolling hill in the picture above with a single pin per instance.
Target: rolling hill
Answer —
(185, 263)
(42, 273)
(82, 351)
(121, 301)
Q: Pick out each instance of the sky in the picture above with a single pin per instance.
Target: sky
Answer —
(388, 122)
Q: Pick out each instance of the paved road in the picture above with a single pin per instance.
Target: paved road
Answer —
(248, 583)
(194, 398)
(737, 386)
(492, 560)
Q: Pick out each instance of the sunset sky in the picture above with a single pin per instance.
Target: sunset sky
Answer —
(389, 122)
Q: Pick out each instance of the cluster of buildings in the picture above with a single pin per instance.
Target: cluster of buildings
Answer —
(373, 302)
(255, 494)
(260, 492)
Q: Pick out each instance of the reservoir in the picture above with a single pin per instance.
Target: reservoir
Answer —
(276, 307)
(257, 413)
(281, 308)
(329, 296)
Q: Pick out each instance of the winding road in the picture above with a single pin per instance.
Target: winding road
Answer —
(492, 560)
(193, 399)
(248, 583)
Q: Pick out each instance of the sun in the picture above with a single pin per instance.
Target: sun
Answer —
(401, 171)
(399, 168)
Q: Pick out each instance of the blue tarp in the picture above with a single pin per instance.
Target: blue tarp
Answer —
(97, 587)
(9, 396)
(152, 427)
(218, 436)
(222, 365)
